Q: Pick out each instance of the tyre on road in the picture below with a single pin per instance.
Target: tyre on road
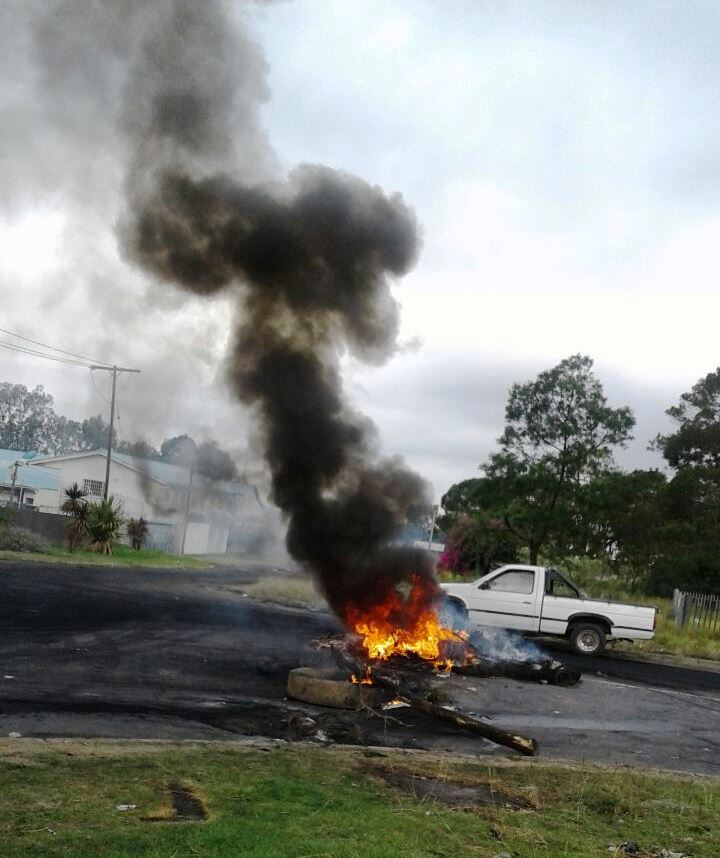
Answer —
(587, 638)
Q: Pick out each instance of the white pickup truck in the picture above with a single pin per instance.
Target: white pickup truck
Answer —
(541, 601)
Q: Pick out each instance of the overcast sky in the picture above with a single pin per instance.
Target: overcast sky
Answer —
(562, 159)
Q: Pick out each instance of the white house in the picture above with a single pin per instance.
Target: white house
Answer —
(186, 511)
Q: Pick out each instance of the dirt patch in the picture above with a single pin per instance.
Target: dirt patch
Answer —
(185, 806)
(450, 793)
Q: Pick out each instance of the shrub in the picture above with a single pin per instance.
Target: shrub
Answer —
(104, 522)
(76, 506)
(137, 529)
(18, 539)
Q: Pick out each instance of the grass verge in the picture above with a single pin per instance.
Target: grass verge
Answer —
(60, 800)
(296, 591)
(689, 641)
(122, 556)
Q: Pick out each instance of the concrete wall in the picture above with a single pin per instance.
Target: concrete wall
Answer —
(47, 525)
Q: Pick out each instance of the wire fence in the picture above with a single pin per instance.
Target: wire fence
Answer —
(696, 609)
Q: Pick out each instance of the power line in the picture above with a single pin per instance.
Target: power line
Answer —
(53, 348)
(22, 350)
(97, 389)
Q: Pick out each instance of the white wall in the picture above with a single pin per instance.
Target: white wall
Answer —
(125, 484)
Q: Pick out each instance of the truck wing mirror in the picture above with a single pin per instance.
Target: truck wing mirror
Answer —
(484, 586)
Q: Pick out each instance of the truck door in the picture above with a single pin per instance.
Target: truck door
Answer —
(507, 600)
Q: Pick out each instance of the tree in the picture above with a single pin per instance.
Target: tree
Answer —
(27, 417)
(215, 463)
(620, 519)
(180, 449)
(138, 449)
(477, 544)
(691, 555)
(697, 439)
(559, 432)
(94, 433)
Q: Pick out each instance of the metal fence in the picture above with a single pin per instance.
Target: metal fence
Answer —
(696, 609)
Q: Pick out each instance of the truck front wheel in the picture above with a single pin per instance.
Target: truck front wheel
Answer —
(587, 638)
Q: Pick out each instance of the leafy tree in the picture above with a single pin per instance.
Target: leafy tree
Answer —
(619, 518)
(559, 432)
(696, 442)
(215, 463)
(139, 449)
(94, 434)
(27, 417)
(180, 449)
(477, 544)
(465, 498)
(104, 523)
(691, 529)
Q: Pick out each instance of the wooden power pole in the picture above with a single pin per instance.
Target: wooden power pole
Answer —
(115, 370)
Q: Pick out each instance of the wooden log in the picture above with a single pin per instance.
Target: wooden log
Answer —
(537, 670)
(523, 745)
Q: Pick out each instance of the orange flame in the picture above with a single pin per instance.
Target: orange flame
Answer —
(398, 626)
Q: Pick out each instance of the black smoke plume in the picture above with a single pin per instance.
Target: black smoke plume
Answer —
(310, 260)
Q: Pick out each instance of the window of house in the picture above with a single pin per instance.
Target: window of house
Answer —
(514, 581)
(94, 487)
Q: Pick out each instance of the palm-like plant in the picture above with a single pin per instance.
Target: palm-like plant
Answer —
(104, 522)
(137, 529)
(75, 506)
(74, 499)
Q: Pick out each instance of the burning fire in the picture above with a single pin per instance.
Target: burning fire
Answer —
(403, 626)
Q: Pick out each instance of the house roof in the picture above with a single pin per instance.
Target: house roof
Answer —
(163, 472)
(30, 477)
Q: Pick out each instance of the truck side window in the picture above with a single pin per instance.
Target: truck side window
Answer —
(515, 581)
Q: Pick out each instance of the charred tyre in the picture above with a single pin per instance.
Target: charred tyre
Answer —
(588, 638)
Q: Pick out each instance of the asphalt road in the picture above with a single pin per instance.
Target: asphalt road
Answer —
(115, 652)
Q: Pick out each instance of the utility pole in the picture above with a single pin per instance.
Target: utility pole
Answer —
(14, 480)
(432, 526)
(187, 510)
(115, 370)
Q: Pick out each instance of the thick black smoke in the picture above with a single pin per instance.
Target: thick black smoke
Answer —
(310, 260)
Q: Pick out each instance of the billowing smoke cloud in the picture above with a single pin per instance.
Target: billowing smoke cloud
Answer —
(309, 260)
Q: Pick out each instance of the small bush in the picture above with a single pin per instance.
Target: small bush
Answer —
(18, 539)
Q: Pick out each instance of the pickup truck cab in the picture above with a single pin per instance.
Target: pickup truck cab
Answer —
(540, 601)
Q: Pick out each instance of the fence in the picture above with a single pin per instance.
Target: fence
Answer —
(696, 609)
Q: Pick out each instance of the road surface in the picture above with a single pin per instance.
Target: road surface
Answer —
(140, 653)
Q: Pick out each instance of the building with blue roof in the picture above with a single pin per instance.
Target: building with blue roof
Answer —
(35, 486)
(186, 510)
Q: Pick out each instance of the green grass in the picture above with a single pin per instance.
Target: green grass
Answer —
(58, 800)
(122, 556)
(689, 641)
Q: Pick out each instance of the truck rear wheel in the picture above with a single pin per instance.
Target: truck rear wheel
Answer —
(452, 614)
(587, 638)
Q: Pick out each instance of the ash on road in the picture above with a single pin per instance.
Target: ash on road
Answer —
(139, 653)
